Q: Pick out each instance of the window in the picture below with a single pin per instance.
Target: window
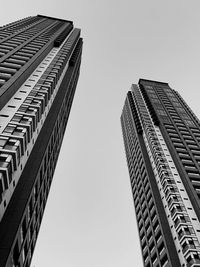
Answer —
(161, 112)
(158, 236)
(146, 256)
(189, 123)
(24, 228)
(180, 109)
(164, 261)
(154, 258)
(181, 219)
(177, 208)
(16, 254)
(161, 248)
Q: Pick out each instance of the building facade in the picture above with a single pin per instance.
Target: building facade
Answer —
(40, 60)
(162, 143)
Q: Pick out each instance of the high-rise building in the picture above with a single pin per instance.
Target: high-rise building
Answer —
(162, 143)
(39, 68)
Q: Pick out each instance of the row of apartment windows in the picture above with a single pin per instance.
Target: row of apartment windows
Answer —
(12, 27)
(142, 195)
(175, 209)
(189, 153)
(196, 120)
(38, 36)
(23, 36)
(18, 133)
(141, 206)
(173, 106)
(9, 29)
(191, 145)
(24, 246)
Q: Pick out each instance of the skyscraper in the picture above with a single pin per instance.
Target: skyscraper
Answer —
(40, 60)
(162, 143)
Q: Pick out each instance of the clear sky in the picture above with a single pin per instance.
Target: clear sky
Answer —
(89, 219)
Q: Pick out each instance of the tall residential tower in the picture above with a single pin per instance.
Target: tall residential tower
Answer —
(162, 143)
(40, 60)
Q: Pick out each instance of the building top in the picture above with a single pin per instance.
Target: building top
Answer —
(69, 21)
(35, 36)
(142, 81)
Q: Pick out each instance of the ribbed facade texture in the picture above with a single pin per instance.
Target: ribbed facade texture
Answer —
(162, 143)
(40, 60)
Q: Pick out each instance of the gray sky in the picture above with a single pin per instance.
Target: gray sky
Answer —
(89, 219)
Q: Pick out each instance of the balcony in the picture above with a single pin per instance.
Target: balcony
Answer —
(177, 209)
(181, 219)
(16, 131)
(193, 263)
(164, 175)
(175, 199)
(30, 111)
(6, 167)
(168, 182)
(188, 247)
(13, 152)
(188, 232)
(170, 191)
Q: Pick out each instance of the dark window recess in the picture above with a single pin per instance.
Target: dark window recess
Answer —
(164, 260)
(24, 228)
(76, 52)
(16, 254)
(62, 36)
(26, 249)
(7, 70)
(154, 258)
(9, 106)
